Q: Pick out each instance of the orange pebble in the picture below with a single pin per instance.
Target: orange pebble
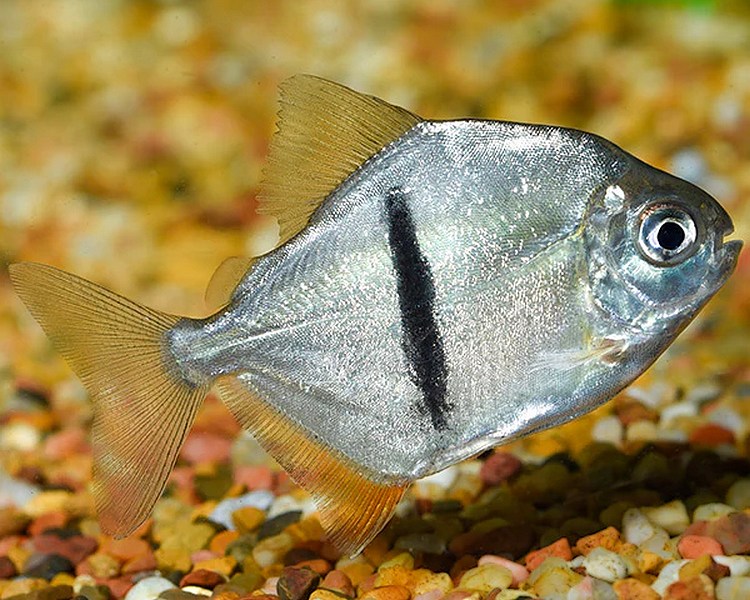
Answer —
(387, 592)
(693, 546)
(560, 548)
(608, 539)
(320, 566)
(711, 434)
(695, 588)
(632, 589)
(221, 541)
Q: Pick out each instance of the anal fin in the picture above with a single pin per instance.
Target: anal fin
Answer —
(353, 507)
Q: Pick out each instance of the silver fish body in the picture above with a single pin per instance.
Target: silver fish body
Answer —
(440, 288)
(501, 213)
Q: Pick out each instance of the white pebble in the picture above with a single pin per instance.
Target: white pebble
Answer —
(605, 564)
(677, 410)
(287, 503)
(729, 419)
(198, 591)
(14, 492)
(19, 436)
(608, 429)
(738, 565)
(149, 588)
(662, 545)
(733, 588)
(636, 527)
(702, 393)
(712, 511)
(442, 479)
(667, 576)
(222, 513)
(672, 516)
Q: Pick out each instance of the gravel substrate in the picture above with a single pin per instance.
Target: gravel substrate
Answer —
(132, 137)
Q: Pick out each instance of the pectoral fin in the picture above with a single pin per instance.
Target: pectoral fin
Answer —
(353, 506)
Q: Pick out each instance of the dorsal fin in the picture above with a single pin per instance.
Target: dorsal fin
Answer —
(325, 132)
(226, 277)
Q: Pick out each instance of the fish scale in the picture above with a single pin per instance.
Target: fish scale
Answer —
(440, 287)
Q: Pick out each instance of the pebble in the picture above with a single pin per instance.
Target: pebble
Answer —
(695, 588)
(553, 579)
(738, 495)
(634, 589)
(712, 511)
(733, 588)
(338, 581)
(206, 447)
(605, 564)
(518, 571)
(608, 429)
(560, 549)
(222, 513)
(486, 577)
(672, 516)
(296, 584)
(149, 588)
(203, 578)
(7, 568)
(272, 549)
(667, 576)
(75, 548)
(389, 592)
(279, 523)
(636, 527)
(46, 566)
(247, 519)
(694, 546)
(499, 467)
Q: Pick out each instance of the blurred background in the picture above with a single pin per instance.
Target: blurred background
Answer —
(133, 136)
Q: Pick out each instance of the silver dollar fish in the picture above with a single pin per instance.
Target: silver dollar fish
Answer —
(440, 287)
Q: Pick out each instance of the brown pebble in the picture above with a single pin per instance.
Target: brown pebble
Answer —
(203, 578)
(632, 589)
(12, 522)
(297, 584)
(320, 566)
(258, 597)
(74, 548)
(50, 520)
(696, 588)
(146, 562)
(499, 466)
(338, 581)
(629, 411)
(7, 568)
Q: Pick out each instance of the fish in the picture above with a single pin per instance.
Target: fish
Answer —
(439, 288)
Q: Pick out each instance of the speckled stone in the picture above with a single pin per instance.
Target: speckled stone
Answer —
(296, 584)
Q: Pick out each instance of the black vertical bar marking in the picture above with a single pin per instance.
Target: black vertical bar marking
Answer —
(422, 343)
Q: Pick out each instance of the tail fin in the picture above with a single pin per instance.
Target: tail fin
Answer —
(142, 408)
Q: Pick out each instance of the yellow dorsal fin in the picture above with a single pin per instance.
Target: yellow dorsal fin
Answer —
(325, 132)
(353, 508)
(225, 279)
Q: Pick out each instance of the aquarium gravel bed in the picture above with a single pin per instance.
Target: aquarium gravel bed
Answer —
(132, 138)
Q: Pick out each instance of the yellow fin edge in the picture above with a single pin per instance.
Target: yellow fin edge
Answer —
(353, 508)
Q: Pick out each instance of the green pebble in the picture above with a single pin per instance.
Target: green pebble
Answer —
(612, 515)
(446, 506)
(701, 497)
(445, 527)
(489, 525)
(278, 524)
(216, 485)
(578, 527)
(242, 547)
(95, 592)
(428, 543)
(409, 525)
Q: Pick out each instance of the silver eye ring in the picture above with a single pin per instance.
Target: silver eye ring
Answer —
(667, 234)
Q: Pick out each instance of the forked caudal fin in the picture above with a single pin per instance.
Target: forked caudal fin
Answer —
(142, 409)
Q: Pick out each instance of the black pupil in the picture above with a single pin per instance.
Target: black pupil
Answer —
(671, 235)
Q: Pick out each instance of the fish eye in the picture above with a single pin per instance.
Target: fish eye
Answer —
(667, 234)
